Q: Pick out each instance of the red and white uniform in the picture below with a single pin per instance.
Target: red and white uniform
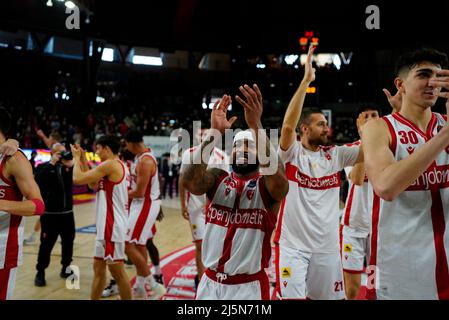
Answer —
(11, 236)
(410, 241)
(112, 217)
(196, 205)
(307, 232)
(356, 226)
(143, 211)
(236, 247)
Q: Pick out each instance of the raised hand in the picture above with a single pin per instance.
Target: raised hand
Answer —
(76, 151)
(9, 147)
(218, 118)
(361, 120)
(394, 101)
(309, 71)
(253, 105)
(442, 82)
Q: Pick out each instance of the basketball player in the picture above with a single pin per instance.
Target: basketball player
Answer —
(243, 206)
(193, 207)
(407, 161)
(143, 212)
(16, 183)
(356, 221)
(308, 261)
(110, 179)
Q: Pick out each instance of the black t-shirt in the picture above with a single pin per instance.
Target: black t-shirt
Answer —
(55, 183)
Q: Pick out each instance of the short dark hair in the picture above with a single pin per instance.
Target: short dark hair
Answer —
(306, 115)
(133, 136)
(366, 107)
(410, 59)
(110, 141)
(5, 122)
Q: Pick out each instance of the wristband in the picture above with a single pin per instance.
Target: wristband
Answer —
(40, 207)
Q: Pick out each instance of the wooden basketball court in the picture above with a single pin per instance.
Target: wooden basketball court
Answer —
(172, 233)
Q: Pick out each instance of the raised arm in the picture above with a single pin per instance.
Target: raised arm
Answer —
(91, 176)
(47, 141)
(272, 167)
(196, 178)
(357, 174)
(20, 169)
(294, 109)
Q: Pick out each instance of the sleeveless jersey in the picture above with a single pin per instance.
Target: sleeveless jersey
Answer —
(112, 208)
(239, 225)
(410, 242)
(153, 191)
(11, 226)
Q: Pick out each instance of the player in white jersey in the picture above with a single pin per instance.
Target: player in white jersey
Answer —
(243, 205)
(356, 220)
(308, 261)
(407, 161)
(16, 183)
(193, 207)
(144, 210)
(111, 179)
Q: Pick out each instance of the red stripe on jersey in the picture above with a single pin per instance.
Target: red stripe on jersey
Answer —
(264, 286)
(394, 141)
(4, 282)
(322, 183)
(141, 220)
(439, 226)
(371, 289)
(109, 227)
(278, 268)
(109, 249)
(277, 235)
(12, 244)
(349, 205)
(227, 245)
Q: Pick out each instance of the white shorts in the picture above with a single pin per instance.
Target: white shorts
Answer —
(109, 251)
(142, 218)
(197, 224)
(209, 289)
(304, 275)
(354, 250)
(7, 283)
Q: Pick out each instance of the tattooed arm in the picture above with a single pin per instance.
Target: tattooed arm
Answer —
(196, 178)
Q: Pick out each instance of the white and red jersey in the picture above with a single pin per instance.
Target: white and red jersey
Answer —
(239, 225)
(309, 215)
(357, 212)
(218, 159)
(11, 226)
(152, 191)
(410, 238)
(112, 208)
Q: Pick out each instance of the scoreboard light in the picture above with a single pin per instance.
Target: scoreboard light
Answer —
(311, 90)
(303, 41)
